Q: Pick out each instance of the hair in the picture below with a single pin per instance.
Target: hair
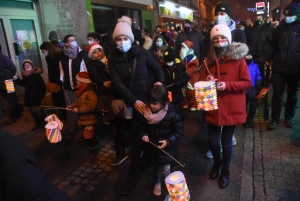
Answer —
(67, 37)
(146, 30)
(158, 93)
(53, 51)
(96, 36)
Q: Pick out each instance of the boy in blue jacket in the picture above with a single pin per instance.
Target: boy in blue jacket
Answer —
(251, 93)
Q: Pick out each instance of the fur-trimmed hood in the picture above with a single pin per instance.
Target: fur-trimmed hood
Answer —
(236, 51)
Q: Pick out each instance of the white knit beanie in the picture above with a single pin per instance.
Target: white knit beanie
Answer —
(221, 30)
(123, 28)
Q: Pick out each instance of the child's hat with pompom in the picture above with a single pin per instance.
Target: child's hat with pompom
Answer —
(123, 28)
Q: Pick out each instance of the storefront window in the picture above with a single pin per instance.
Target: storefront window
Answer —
(16, 4)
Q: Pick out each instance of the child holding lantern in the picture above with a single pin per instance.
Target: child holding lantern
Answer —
(164, 128)
(85, 105)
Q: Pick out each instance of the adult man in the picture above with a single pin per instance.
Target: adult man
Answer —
(192, 35)
(284, 49)
(7, 71)
(223, 15)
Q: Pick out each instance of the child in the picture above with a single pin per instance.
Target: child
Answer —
(191, 62)
(85, 105)
(176, 77)
(98, 71)
(35, 90)
(251, 93)
(164, 129)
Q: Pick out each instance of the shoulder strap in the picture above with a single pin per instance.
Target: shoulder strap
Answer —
(133, 73)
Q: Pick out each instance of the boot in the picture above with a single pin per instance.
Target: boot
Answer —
(250, 120)
(214, 173)
(224, 178)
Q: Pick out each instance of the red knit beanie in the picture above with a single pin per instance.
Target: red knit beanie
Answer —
(83, 77)
(92, 47)
(188, 44)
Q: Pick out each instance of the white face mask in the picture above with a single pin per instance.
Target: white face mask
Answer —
(90, 42)
(289, 20)
(183, 52)
(124, 46)
(221, 19)
(74, 45)
(159, 43)
(45, 54)
(170, 63)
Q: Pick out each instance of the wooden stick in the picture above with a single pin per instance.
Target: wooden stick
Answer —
(166, 153)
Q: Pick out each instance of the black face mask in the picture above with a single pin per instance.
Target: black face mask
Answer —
(248, 61)
(220, 51)
(258, 23)
(187, 29)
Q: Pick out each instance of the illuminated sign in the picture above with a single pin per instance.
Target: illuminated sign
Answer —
(170, 9)
(260, 6)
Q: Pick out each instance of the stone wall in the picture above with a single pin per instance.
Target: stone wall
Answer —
(64, 17)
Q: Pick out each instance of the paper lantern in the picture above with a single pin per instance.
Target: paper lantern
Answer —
(9, 84)
(177, 187)
(53, 128)
(206, 95)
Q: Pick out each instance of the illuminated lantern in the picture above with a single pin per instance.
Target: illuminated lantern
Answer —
(206, 95)
(177, 187)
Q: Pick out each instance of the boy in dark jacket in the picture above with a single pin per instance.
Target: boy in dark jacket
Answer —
(35, 90)
(98, 71)
(176, 77)
(251, 93)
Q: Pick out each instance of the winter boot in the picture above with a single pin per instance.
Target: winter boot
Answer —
(214, 173)
(224, 178)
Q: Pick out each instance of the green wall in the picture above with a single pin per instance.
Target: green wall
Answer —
(90, 17)
(148, 15)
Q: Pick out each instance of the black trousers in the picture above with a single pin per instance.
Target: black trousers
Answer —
(253, 104)
(279, 82)
(12, 101)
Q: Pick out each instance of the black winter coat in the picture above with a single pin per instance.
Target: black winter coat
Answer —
(53, 69)
(196, 38)
(21, 176)
(35, 88)
(170, 128)
(258, 39)
(120, 68)
(284, 49)
(177, 76)
(7, 69)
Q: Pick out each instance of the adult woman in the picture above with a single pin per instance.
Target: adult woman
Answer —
(226, 63)
(124, 57)
(52, 55)
(159, 45)
(73, 61)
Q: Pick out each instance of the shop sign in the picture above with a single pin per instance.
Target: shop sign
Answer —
(170, 10)
(260, 6)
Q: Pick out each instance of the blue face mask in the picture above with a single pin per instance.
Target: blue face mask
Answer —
(290, 19)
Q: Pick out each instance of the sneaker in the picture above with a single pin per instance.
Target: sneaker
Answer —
(193, 109)
(119, 160)
(157, 190)
(273, 125)
(289, 123)
(185, 107)
(233, 140)
(209, 154)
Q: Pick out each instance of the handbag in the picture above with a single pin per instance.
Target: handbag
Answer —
(119, 107)
(53, 87)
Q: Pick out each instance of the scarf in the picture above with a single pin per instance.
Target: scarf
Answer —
(27, 73)
(80, 89)
(71, 53)
(155, 118)
(189, 58)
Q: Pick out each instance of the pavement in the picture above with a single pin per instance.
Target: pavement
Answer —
(265, 164)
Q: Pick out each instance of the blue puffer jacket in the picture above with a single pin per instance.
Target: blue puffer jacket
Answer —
(284, 49)
(256, 80)
(7, 69)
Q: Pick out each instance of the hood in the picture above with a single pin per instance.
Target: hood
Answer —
(236, 51)
(231, 25)
(148, 43)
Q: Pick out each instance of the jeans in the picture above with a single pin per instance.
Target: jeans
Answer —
(214, 135)
(279, 83)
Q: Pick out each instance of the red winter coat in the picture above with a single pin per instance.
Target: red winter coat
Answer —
(232, 69)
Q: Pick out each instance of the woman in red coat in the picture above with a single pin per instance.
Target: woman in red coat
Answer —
(225, 65)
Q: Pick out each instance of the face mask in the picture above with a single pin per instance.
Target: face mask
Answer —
(124, 46)
(186, 29)
(170, 63)
(45, 54)
(90, 42)
(221, 19)
(159, 44)
(268, 22)
(183, 53)
(28, 69)
(221, 44)
(74, 45)
(258, 22)
(289, 20)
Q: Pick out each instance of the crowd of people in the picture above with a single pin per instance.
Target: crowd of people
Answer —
(144, 82)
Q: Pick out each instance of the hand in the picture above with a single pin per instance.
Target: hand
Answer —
(139, 106)
(145, 138)
(107, 83)
(76, 110)
(69, 108)
(164, 143)
(211, 78)
(15, 77)
(158, 83)
(249, 56)
(221, 86)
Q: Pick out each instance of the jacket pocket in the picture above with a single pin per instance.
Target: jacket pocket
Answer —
(236, 105)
